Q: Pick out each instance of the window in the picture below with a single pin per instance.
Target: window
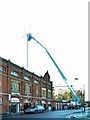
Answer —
(0, 82)
(30, 88)
(2, 69)
(26, 78)
(43, 84)
(27, 89)
(35, 81)
(36, 90)
(43, 93)
(15, 73)
(15, 86)
(0, 100)
(49, 93)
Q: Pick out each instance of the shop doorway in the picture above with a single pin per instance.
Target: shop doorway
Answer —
(14, 108)
(15, 105)
(49, 105)
(44, 104)
(27, 105)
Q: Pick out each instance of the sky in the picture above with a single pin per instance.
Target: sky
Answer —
(59, 25)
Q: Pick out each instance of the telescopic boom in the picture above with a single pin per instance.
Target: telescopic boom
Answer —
(77, 99)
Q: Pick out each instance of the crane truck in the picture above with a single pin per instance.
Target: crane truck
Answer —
(76, 98)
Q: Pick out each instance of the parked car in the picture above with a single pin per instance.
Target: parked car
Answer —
(72, 105)
(35, 109)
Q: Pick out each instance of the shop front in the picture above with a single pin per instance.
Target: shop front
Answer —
(44, 104)
(27, 103)
(15, 105)
(49, 105)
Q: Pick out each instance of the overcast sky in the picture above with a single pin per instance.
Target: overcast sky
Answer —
(60, 25)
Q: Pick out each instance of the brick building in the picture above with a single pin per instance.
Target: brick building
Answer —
(20, 88)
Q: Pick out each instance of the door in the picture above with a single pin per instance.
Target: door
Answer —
(13, 108)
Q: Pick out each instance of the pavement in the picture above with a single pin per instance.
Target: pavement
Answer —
(13, 114)
(82, 114)
(79, 114)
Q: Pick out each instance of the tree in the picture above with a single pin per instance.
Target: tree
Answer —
(65, 95)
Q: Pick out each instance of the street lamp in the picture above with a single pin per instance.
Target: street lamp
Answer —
(76, 78)
(83, 99)
(83, 94)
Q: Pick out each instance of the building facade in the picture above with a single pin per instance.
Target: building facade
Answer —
(20, 88)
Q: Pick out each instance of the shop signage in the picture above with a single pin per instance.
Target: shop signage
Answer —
(15, 100)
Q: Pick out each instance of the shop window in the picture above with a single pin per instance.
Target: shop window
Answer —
(2, 69)
(27, 105)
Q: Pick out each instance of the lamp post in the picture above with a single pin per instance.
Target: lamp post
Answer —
(83, 93)
(83, 99)
(82, 96)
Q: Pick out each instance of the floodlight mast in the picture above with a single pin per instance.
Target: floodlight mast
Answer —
(77, 99)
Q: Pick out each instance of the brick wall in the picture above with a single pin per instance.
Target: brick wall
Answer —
(36, 82)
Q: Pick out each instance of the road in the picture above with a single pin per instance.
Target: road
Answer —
(49, 114)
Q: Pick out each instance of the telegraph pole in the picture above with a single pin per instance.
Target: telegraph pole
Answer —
(27, 53)
(29, 37)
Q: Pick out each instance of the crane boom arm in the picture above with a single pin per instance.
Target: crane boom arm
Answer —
(77, 99)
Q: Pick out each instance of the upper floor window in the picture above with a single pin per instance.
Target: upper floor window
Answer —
(3, 69)
(49, 93)
(35, 81)
(26, 78)
(37, 91)
(49, 86)
(0, 100)
(27, 89)
(15, 73)
(43, 84)
(15, 86)
(43, 92)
